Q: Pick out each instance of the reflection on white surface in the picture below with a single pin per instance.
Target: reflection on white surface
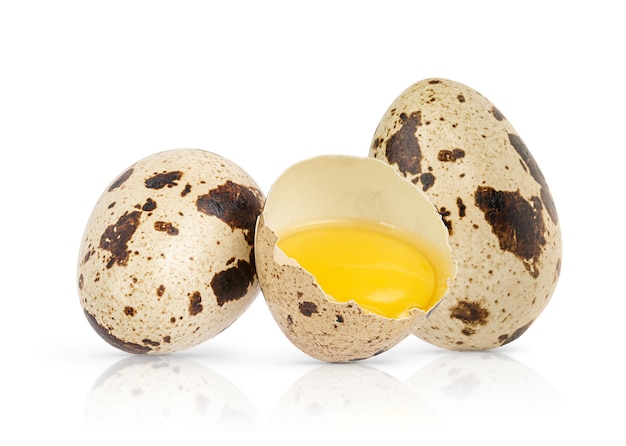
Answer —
(484, 388)
(149, 389)
(348, 396)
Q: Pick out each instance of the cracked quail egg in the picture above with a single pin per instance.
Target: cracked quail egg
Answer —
(351, 257)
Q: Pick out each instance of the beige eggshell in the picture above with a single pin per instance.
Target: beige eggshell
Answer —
(458, 148)
(166, 261)
(326, 188)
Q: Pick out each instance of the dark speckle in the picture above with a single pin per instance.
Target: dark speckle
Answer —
(403, 148)
(81, 282)
(470, 313)
(428, 179)
(505, 339)
(434, 81)
(516, 222)
(167, 227)
(161, 180)
(195, 303)
(130, 311)
(167, 339)
(232, 283)
(461, 98)
(339, 318)
(461, 206)
(536, 173)
(307, 308)
(129, 347)
(121, 179)
(88, 255)
(450, 155)
(160, 290)
(444, 217)
(236, 205)
(186, 190)
(151, 343)
(497, 113)
(149, 205)
(116, 237)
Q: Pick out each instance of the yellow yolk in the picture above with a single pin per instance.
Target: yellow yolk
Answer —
(381, 268)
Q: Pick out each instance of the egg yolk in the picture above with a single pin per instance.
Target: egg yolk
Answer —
(381, 268)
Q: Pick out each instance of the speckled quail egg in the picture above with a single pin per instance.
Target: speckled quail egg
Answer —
(457, 147)
(351, 257)
(167, 261)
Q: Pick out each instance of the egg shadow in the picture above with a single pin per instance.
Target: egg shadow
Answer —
(469, 389)
(347, 396)
(141, 390)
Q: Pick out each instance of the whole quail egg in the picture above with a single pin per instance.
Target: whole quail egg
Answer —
(167, 261)
(461, 151)
(351, 257)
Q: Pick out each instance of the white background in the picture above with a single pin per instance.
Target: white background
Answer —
(88, 88)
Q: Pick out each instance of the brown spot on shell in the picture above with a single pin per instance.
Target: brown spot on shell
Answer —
(150, 342)
(116, 237)
(505, 339)
(517, 223)
(536, 173)
(428, 179)
(186, 190)
(307, 308)
(121, 179)
(461, 206)
(167, 339)
(403, 148)
(236, 205)
(470, 313)
(461, 98)
(232, 283)
(444, 217)
(497, 114)
(81, 282)
(195, 303)
(164, 226)
(88, 255)
(160, 290)
(128, 347)
(446, 156)
(377, 142)
(149, 205)
(161, 180)
(130, 311)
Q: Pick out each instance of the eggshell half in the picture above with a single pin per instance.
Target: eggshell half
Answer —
(457, 147)
(327, 188)
(166, 261)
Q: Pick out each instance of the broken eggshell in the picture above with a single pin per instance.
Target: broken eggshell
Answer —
(167, 261)
(457, 147)
(329, 188)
